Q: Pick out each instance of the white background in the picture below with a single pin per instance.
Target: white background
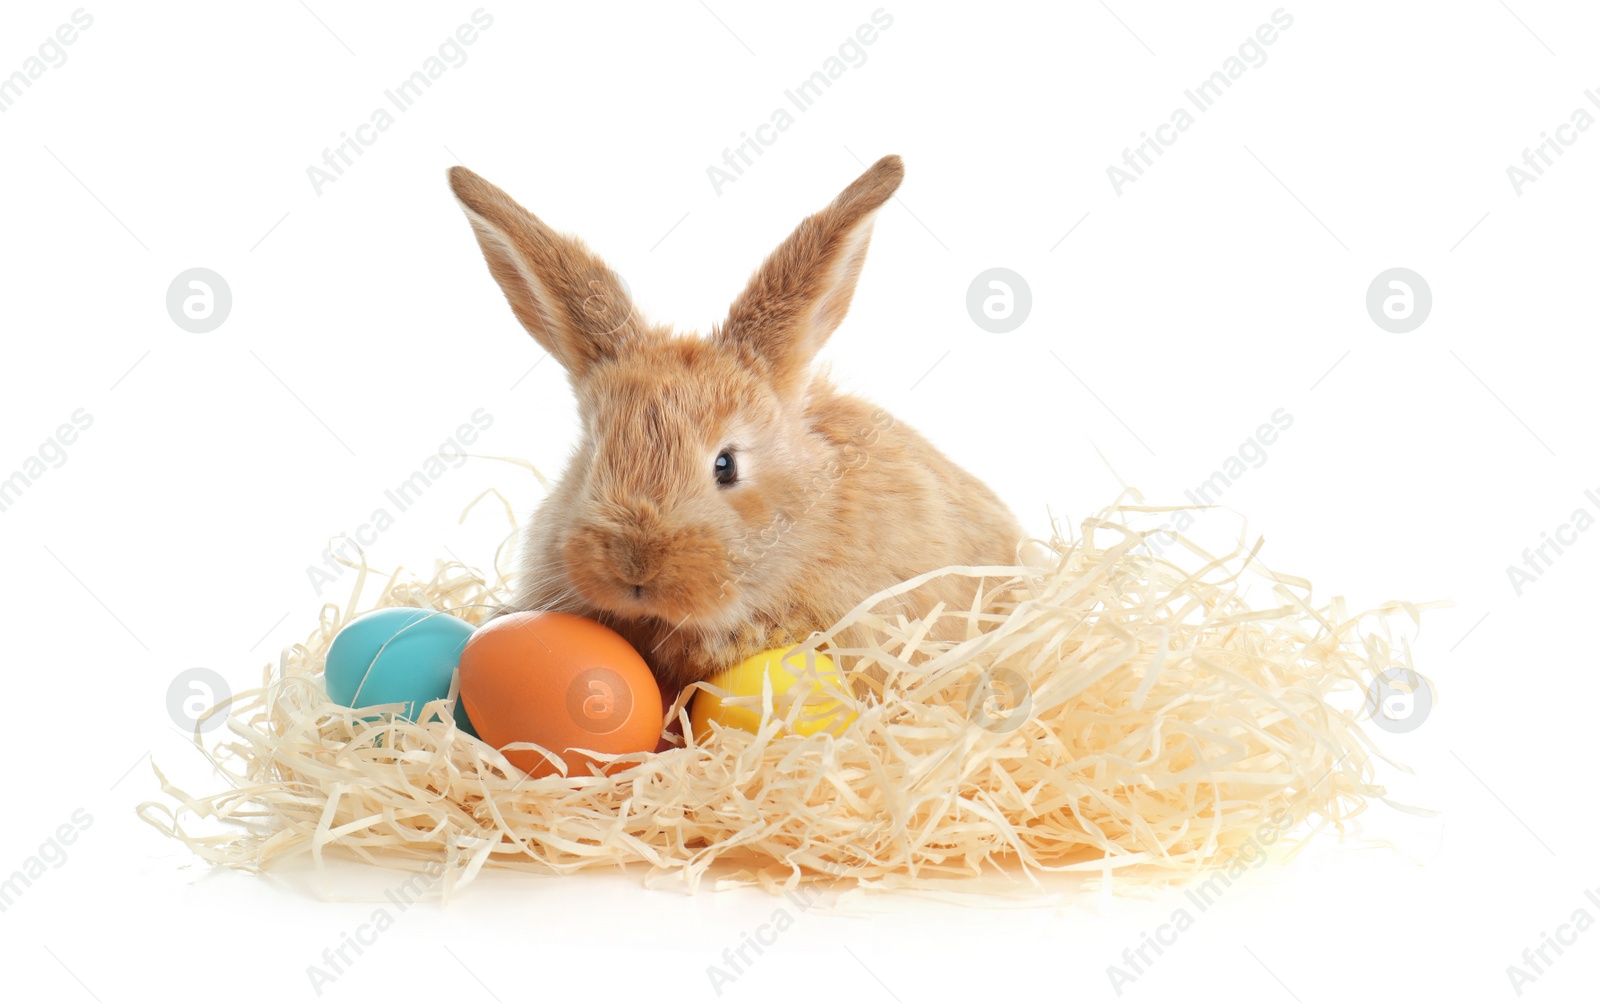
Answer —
(1227, 282)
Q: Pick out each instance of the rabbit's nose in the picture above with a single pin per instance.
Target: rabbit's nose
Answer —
(636, 578)
(634, 566)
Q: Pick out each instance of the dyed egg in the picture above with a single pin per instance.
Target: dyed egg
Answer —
(820, 713)
(397, 656)
(560, 681)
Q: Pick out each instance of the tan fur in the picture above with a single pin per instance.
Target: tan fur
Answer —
(835, 499)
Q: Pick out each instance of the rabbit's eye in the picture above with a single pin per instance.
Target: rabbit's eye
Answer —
(726, 471)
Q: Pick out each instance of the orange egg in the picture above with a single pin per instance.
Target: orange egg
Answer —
(564, 682)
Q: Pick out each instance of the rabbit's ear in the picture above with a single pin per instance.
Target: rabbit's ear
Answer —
(565, 296)
(800, 294)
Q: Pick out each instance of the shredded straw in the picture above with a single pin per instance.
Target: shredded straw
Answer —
(1110, 710)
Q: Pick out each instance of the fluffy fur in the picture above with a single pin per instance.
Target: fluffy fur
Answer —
(834, 499)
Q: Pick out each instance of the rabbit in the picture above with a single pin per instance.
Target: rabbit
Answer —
(724, 498)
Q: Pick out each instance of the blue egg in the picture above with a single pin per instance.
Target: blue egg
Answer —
(401, 655)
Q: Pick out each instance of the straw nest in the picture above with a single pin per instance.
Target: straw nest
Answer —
(1114, 710)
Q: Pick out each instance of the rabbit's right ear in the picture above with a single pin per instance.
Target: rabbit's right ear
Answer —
(801, 292)
(565, 296)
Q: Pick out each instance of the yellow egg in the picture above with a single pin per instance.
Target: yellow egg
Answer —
(820, 713)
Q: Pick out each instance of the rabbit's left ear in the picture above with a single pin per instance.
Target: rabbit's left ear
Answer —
(566, 297)
(799, 295)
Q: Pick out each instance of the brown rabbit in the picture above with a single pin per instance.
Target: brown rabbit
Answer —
(725, 499)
